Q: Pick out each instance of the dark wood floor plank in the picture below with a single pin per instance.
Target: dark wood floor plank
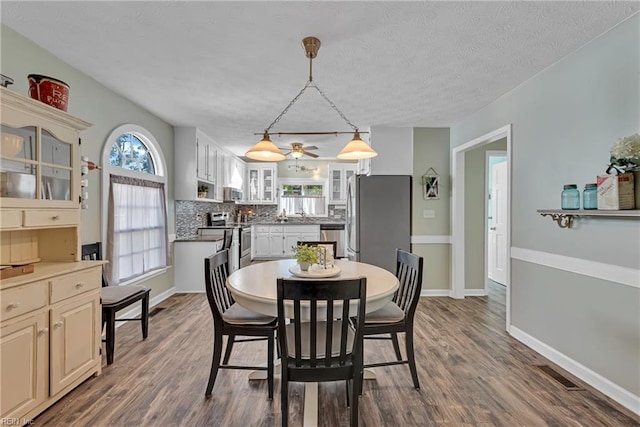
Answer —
(471, 373)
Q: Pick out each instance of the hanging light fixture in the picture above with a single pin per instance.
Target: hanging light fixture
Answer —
(265, 150)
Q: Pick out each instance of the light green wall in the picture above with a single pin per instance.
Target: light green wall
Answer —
(564, 122)
(98, 105)
(431, 149)
(474, 215)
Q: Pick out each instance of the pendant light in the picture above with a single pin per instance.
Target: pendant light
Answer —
(265, 150)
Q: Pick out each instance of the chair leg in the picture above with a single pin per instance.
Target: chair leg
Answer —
(396, 346)
(144, 317)
(355, 393)
(349, 384)
(411, 357)
(284, 396)
(215, 362)
(270, 363)
(227, 352)
(110, 316)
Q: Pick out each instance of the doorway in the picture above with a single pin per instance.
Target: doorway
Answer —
(458, 249)
(496, 213)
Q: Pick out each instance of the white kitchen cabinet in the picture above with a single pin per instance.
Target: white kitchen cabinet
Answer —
(339, 173)
(195, 151)
(278, 241)
(261, 183)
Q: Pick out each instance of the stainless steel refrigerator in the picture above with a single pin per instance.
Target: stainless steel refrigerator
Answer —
(378, 218)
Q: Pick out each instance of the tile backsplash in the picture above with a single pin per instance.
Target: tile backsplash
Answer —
(192, 214)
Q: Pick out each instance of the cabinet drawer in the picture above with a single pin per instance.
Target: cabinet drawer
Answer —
(276, 229)
(69, 285)
(298, 229)
(261, 228)
(51, 218)
(10, 218)
(22, 299)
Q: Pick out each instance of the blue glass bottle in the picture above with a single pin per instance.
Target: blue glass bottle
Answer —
(590, 196)
(570, 197)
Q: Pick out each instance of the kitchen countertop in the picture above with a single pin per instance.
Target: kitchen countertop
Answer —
(298, 223)
(200, 239)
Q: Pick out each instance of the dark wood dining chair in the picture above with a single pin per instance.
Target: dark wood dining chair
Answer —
(397, 316)
(313, 347)
(233, 320)
(114, 299)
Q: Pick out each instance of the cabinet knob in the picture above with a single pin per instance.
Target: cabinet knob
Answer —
(43, 331)
(55, 217)
(13, 305)
(79, 285)
(57, 324)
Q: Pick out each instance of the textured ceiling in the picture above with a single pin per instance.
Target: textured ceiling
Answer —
(229, 68)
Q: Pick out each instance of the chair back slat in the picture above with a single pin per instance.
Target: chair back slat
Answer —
(93, 252)
(215, 275)
(313, 304)
(409, 273)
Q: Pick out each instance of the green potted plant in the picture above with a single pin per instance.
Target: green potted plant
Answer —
(306, 256)
(203, 190)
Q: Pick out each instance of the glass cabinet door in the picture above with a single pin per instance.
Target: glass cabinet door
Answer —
(18, 162)
(268, 184)
(56, 168)
(253, 184)
(336, 184)
(34, 164)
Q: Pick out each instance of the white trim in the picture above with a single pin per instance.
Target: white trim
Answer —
(430, 240)
(597, 381)
(612, 273)
(134, 312)
(435, 293)
(138, 280)
(448, 293)
(458, 212)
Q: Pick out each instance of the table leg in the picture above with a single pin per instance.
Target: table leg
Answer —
(310, 418)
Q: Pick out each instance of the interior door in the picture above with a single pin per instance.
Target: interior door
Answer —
(497, 241)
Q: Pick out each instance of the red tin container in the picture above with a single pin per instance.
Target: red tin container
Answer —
(51, 91)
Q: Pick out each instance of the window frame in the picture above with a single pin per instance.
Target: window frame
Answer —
(305, 181)
(160, 166)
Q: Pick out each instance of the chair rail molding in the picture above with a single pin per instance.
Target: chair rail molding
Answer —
(599, 270)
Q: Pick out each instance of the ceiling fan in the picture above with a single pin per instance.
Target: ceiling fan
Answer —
(297, 150)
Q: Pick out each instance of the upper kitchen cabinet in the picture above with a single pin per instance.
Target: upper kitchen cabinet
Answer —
(339, 173)
(261, 183)
(198, 162)
(39, 156)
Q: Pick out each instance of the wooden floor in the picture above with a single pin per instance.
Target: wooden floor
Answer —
(471, 372)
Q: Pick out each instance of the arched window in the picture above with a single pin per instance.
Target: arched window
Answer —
(134, 204)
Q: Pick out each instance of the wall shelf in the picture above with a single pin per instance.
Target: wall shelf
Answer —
(564, 218)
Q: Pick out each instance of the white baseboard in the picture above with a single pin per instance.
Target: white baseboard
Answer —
(475, 293)
(435, 293)
(447, 293)
(597, 381)
(134, 312)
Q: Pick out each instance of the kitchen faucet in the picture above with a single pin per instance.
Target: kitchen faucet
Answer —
(301, 213)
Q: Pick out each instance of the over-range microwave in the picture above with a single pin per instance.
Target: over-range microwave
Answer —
(231, 194)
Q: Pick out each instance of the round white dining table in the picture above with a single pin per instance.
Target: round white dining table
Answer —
(254, 287)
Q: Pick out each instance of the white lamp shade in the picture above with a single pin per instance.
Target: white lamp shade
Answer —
(296, 154)
(265, 151)
(357, 149)
(11, 144)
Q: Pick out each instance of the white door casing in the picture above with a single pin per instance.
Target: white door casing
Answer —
(458, 213)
